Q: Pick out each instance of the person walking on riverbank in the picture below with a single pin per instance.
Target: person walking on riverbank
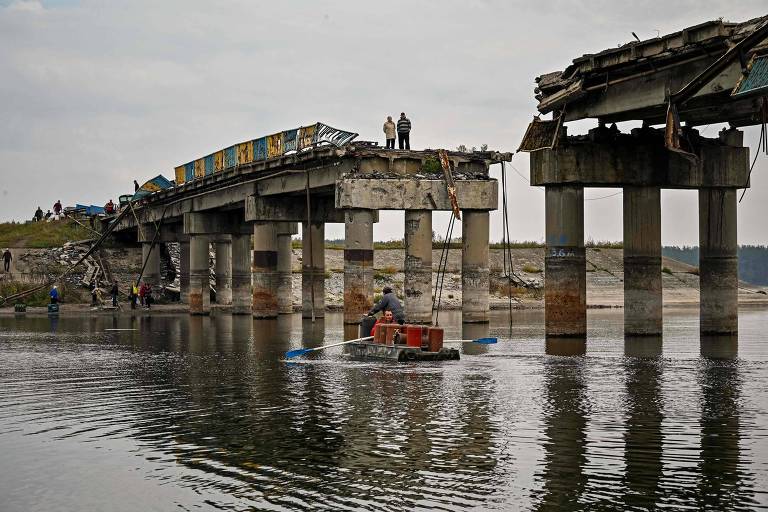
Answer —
(404, 131)
(7, 257)
(54, 295)
(113, 292)
(389, 132)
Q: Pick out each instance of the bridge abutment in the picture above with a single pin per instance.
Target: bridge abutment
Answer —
(418, 266)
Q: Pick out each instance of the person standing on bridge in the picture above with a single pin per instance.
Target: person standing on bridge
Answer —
(389, 132)
(404, 131)
(7, 257)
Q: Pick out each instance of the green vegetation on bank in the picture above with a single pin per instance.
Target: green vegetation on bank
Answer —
(40, 235)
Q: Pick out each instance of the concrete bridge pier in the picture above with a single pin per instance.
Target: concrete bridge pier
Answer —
(718, 263)
(284, 276)
(199, 275)
(642, 261)
(184, 272)
(223, 270)
(475, 272)
(313, 269)
(358, 264)
(152, 269)
(718, 249)
(265, 302)
(418, 266)
(241, 275)
(565, 279)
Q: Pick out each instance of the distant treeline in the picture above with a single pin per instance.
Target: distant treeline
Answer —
(753, 261)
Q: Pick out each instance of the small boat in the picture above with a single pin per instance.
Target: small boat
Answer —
(400, 353)
(401, 343)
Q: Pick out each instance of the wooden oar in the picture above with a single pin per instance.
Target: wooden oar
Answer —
(482, 341)
(302, 351)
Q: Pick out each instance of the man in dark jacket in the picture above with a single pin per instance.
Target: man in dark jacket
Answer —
(113, 292)
(390, 302)
(404, 131)
(7, 257)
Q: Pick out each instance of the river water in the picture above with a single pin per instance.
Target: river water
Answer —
(204, 414)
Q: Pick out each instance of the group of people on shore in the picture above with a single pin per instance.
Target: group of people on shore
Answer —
(49, 216)
(138, 295)
(403, 130)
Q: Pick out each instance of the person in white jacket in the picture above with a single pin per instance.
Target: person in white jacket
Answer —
(389, 132)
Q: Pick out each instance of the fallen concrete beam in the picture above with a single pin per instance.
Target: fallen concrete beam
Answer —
(629, 162)
(413, 194)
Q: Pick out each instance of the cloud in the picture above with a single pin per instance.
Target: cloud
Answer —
(96, 94)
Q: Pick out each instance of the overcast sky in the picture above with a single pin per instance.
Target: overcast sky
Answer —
(96, 94)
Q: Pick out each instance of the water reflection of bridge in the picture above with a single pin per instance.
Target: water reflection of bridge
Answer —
(328, 432)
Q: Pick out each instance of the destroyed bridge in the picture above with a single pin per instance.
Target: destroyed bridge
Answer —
(247, 200)
(715, 72)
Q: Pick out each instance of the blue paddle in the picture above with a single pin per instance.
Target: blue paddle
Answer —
(302, 351)
(481, 341)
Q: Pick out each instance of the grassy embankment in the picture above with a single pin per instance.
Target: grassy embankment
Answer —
(37, 235)
(41, 235)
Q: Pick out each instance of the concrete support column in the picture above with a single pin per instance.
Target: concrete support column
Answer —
(358, 264)
(223, 269)
(241, 274)
(284, 278)
(184, 272)
(718, 263)
(199, 275)
(152, 269)
(313, 269)
(264, 270)
(642, 261)
(418, 266)
(565, 278)
(475, 273)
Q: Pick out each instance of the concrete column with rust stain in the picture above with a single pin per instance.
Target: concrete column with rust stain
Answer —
(475, 272)
(418, 266)
(265, 270)
(199, 275)
(184, 272)
(642, 261)
(358, 264)
(284, 277)
(223, 247)
(152, 269)
(313, 269)
(718, 262)
(565, 278)
(241, 275)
